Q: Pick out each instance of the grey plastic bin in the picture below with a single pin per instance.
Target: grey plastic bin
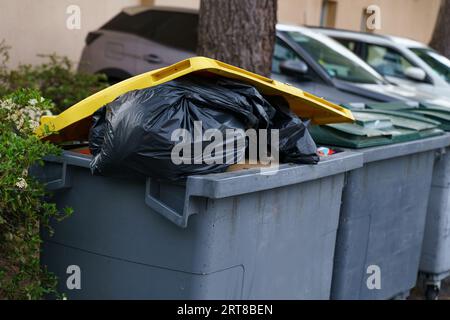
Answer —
(382, 220)
(384, 203)
(235, 235)
(435, 260)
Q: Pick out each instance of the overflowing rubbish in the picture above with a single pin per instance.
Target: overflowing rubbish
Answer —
(172, 123)
(73, 124)
(138, 133)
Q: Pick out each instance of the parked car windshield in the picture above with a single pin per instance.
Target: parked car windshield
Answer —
(338, 61)
(439, 63)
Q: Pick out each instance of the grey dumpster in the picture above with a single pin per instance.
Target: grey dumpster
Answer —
(384, 203)
(234, 235)
(435, 260)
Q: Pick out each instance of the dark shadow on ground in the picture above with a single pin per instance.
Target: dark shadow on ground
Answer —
(418, 294)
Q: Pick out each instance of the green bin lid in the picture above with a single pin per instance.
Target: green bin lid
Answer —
(376, 127)
(438, 113)
(394, 105)
(430, 111)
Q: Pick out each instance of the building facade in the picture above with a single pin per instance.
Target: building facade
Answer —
(33, 27)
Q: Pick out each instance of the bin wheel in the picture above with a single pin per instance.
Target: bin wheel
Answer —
(432, 292)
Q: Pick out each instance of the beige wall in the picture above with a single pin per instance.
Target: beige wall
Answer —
(289, 11)
(193, 4)
(301, 12)
(414, 19)
(34, 27)
(409, 18)
(39, 26)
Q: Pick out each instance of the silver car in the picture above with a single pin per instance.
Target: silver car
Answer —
(403, 61)
(140, 39)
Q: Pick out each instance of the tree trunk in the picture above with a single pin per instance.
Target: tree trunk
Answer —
(441, 35)
(238, 32)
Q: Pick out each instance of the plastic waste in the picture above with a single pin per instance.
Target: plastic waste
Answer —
(325, 152)
(134, 134)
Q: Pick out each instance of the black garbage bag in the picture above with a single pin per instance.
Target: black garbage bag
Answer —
(134, 134)
(295, 143)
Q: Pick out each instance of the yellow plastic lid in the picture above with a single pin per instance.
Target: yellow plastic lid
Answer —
(74, 123)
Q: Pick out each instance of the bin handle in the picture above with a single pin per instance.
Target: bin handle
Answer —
(180, 219)
(62, 183)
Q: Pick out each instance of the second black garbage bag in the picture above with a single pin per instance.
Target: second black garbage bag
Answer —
(135, 135)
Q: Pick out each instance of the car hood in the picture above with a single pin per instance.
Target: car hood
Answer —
(433, 90)
(325, 91)
(391, 92)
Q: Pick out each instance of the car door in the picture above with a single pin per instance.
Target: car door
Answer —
(311, 83)
(117, 52)
(168, 38)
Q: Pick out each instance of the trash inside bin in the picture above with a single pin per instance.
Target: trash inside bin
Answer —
(435, 259)
(135, 134)
(246, 235)
(384, 203)
(74, 123)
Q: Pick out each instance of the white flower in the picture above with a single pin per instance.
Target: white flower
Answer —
(32, 102)
(31, 114)
(20, 122)
(33, 124)
(21, 183)
(24, 117)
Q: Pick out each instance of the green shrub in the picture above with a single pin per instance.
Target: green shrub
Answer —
(55, 79)
(23, 210)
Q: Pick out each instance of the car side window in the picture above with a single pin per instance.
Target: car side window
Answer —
(349, 44)
(178, 30)
(387, 61)
(282, 52)
(174, 29)
(439, 63)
